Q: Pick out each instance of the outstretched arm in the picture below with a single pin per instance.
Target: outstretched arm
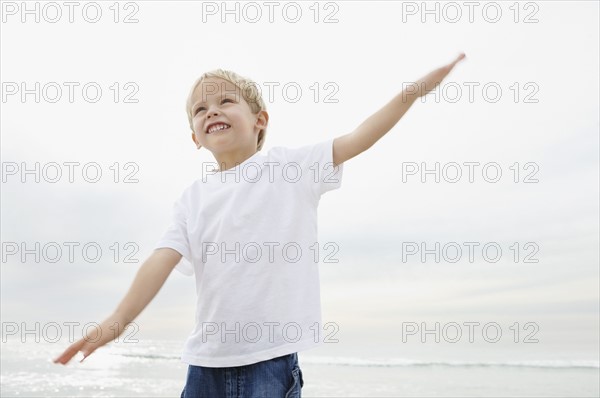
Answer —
(148, 281)
(377, 125)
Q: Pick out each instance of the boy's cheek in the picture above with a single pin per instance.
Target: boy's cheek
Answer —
(197, 128)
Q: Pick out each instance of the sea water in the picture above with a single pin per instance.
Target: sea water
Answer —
(152, 368)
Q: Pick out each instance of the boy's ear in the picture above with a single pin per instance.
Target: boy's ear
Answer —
(262, 119)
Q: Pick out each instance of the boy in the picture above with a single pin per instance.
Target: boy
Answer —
(258, 301)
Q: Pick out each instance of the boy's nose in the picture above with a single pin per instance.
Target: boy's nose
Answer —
(211, 112)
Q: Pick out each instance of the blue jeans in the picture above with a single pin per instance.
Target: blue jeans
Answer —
(279, 377)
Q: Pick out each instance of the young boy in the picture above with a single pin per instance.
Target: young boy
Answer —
(247, 232)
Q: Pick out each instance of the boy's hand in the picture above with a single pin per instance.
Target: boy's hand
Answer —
(96, 337)
(429, 82)
(377, 125)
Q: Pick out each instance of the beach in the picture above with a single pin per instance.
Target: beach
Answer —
(153, 369)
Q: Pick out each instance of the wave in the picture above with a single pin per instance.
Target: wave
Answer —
(148, 356)
(400, 362)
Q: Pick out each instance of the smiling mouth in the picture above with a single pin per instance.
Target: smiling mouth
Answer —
(219, 129)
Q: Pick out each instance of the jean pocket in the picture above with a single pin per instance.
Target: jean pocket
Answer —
(294, 390)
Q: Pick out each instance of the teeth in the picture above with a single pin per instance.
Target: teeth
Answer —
(217, 127)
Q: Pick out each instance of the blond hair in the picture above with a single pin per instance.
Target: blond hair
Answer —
(250, 93)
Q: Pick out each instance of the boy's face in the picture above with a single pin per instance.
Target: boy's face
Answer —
(217, 100)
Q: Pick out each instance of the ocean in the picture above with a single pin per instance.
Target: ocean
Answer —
(152, 368)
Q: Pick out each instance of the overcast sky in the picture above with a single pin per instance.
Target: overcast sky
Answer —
(536, 120)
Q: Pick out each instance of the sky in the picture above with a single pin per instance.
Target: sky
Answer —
(524, 102)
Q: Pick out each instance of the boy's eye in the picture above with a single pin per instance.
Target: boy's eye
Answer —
(203, 108)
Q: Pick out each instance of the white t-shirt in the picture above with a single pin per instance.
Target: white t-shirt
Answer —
(249, 236)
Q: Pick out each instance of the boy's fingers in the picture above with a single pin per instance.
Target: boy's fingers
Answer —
(86, 353)
(459, 58)
(64, 357)
(450, 66)
(69, 353)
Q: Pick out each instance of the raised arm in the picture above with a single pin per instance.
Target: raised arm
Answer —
(148, 281)
(377, 125)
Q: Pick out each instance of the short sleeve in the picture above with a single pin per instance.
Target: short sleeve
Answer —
(176, 237)
(316, 163)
